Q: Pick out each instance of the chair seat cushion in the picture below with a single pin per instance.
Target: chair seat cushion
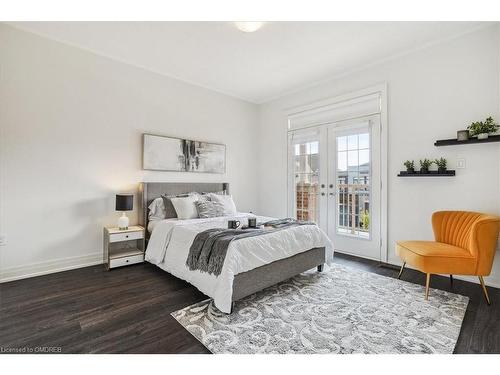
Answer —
(436, 257)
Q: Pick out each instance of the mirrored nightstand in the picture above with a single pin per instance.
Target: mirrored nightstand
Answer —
(123, 247)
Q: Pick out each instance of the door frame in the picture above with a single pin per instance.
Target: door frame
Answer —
(356, 98)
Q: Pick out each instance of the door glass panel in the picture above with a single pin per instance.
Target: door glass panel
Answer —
(353, 185)
(341, 143)
(306, 184)
(352, 142)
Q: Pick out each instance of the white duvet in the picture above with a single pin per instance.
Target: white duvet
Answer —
(171, 239)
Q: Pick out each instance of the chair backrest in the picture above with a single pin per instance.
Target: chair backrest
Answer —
(454, 227)
(473, 231)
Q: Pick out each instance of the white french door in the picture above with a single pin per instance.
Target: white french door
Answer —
(334, 180)
(307, 177)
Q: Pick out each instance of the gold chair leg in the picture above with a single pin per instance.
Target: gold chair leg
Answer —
(485, 291)
(427, 284)
(401, 270)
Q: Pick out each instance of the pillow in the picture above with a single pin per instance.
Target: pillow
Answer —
(169, 208)
(185, 207)
(157, 210)
(222, 192)
(228, 206)
(207, 208)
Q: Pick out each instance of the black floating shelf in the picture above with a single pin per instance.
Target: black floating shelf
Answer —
(452, 142)
(448, 173)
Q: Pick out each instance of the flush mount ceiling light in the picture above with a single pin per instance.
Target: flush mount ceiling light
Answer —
(249, 27)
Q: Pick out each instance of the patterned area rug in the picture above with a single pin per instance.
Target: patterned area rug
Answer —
(341, 310)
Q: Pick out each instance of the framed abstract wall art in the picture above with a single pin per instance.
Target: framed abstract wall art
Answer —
(162, 153)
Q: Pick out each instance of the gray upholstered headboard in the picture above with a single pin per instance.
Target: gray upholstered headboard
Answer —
(148, 191)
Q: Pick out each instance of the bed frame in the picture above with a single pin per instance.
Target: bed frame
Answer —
(245, 283)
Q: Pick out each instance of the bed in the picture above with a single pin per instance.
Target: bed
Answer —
(252, 264)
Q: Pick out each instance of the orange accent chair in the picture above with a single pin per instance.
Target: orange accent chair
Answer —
(465, 244)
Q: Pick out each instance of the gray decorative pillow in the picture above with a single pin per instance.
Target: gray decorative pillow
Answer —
(169, 207)
(207, 208)
(156, 210)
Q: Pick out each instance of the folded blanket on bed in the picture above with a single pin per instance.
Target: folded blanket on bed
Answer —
(209, 248)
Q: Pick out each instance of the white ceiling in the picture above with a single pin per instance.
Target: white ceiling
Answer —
(279, 58)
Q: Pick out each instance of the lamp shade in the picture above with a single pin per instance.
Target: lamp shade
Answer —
(124, 202)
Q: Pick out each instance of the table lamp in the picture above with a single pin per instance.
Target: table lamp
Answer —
(124, 202)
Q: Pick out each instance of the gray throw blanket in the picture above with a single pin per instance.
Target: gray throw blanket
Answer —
(209, 248)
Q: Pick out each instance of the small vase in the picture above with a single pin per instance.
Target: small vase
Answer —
(442, 170)
(462, 135)
(482, 136)
(424, 170)
(410, 170)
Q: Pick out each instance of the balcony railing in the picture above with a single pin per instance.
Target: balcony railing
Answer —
(353, 209)
(353, 206)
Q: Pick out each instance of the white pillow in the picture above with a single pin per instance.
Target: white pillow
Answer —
(157, 210)
(226, 201)
(185, 207)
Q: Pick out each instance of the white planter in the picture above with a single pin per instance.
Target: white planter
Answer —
(482, 136)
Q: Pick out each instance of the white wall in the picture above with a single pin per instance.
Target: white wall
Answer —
(71, 125)
(70, 137)
(432, 93)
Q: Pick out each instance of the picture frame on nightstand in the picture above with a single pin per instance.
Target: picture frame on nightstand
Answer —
(123, 247)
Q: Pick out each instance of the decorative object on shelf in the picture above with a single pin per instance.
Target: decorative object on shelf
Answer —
(124, 202)
(424, 165)
(483, 129)
(447, 173)
(182, 155)
(462, 135)
(441, 164)
(410, 166)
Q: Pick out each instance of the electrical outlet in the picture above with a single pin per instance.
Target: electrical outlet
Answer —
(3, 239)
(461, 163)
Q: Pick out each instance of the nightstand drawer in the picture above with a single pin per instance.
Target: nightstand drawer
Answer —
(125, 261)
(119, 237)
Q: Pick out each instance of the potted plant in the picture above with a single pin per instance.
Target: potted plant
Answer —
(410, 166)
(482, 129)
(424, 165)
(441, 163)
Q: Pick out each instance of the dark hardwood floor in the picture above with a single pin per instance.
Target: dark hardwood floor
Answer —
(127, 310)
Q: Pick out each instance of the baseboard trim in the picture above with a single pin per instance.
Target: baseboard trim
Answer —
(51, 266)
(475, 280)
(471, 279)
(356, 255)
(494, 283)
